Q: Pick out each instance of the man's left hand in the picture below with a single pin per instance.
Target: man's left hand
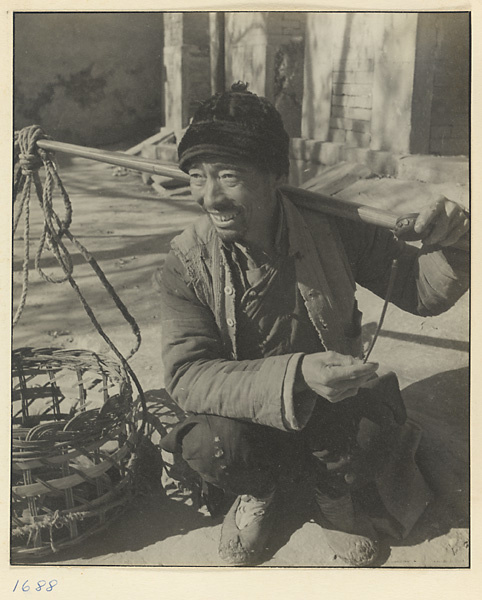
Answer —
(443, 223)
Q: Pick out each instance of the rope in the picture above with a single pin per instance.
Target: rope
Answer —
(391, 283)
(29, 159)
(25, 207)
(28, 163)
(54, 520)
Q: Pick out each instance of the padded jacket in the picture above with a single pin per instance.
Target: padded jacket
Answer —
(332, 255)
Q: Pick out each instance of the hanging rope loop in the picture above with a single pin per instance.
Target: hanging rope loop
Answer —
(29, 158)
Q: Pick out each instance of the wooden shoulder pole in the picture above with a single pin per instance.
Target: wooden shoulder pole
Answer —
(401, 225)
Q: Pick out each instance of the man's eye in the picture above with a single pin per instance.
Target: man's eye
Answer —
(196, 177)
(229, 177)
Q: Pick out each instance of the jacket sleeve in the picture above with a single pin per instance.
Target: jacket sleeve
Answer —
(429, 279)
(198, 374)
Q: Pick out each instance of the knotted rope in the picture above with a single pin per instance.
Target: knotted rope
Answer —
(29, 158)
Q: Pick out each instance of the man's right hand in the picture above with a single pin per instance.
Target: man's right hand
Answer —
(336, 376)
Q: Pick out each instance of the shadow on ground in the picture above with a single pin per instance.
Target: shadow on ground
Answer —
(440, 404)
(369, 329)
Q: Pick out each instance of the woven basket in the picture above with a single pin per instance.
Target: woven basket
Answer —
(74, 431)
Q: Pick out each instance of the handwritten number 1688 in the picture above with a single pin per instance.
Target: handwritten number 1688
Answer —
(41, 584)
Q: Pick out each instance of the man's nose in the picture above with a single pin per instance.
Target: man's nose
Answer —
(211, 193)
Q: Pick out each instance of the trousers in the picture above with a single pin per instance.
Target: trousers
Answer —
(361, 443)
(344, 443)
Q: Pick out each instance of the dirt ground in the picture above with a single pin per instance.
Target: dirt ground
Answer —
(127, 226)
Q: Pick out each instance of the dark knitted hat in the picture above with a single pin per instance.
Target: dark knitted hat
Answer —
(238, 124)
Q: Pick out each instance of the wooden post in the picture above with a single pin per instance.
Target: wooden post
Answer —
(186, 62)
(217, 51)
(393, 83)
(318, 81)
(423, 86)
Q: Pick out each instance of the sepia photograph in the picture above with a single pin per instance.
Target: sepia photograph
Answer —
(240, 273)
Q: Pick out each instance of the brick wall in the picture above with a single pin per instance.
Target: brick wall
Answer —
(351, 103)
(353, 64)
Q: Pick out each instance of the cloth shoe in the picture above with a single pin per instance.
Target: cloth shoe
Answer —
(347, 531)
(246, 529)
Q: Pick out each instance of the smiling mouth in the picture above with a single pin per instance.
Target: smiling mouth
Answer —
(224, 218)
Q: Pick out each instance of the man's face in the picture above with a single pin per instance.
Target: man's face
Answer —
(238, 197)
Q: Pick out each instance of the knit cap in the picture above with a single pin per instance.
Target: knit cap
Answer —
(240, 125)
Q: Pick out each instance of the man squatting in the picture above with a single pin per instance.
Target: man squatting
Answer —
(261, 339)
